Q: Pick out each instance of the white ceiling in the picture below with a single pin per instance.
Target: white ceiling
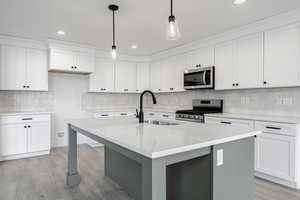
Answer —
(140, 22)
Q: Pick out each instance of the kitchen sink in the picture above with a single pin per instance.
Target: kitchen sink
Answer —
(161, 122)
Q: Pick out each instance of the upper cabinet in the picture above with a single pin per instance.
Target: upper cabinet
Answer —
(126, 76)
(69, 61)
(71, 58)
(239, 63)
(23, 69)
(281, 61)
(103, 79)
(203, 57)
(224, 61)
(143, 76)
(156, 76)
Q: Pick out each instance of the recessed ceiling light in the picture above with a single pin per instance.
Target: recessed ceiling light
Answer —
(60, 32)
(239, 2)
(133, 46)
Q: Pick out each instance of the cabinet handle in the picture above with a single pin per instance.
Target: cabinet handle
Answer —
(225, 122)
(158, 89)
(171, 88)
(165, 115)
(26, 119)
(233, 84)
(25, 126)
(236, 84)
(123, 113)
(104, 89)
(151, 114)
(265, 82)
(137, 90)
(274, 128)
(29, 126)
(24, 86)
(126, 90)
(72, 67)
(28, 86)
(104, 115)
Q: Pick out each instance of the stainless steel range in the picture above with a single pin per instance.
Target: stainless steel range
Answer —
(200, 107)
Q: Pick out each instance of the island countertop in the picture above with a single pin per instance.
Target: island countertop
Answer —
(155, 141)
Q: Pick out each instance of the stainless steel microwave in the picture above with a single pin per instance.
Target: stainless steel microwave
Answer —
(200, 78)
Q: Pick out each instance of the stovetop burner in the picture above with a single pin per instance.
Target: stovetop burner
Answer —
(200, 107)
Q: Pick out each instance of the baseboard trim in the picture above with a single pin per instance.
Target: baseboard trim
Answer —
(290, 184)
(24, 155)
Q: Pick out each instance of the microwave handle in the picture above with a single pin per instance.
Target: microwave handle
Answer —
(204, 74)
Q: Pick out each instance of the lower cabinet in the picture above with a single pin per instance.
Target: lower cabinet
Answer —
(24, 136)
(38, 136)
(276, 154)
(13, 139)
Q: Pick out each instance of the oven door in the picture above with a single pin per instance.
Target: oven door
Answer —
(199, 78)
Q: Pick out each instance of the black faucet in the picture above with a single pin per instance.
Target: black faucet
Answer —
(141, 114)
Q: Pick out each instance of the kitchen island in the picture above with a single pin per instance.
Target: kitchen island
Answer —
(176, 161)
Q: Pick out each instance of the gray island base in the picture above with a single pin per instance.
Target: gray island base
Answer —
(193, 175)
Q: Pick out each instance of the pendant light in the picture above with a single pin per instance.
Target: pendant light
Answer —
(172, 31)
(113, 8)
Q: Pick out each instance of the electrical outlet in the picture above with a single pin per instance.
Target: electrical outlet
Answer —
(220, 157)
(279, 100)
(60, 134)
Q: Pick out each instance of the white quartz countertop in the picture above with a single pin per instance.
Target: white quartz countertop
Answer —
(156, 141)
(256, 117)
(3, 114)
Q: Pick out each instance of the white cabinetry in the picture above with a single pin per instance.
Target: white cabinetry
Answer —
(239, 63)
(275, 150)
(103, 79)
(143, 77)
(70, 61)
(13, 139)
(126, 77)
(230, 122)
(23, 69)
(156, 76)
(224, 61)
(203, 57)
(281, 59)
(24, 136)
(167, 75)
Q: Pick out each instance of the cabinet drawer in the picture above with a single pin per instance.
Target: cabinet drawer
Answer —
(276, 128)
(24, 119)
(226, 121)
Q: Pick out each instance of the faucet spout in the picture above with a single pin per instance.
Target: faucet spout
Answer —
(141, 115)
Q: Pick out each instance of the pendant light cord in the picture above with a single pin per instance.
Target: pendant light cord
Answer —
(114, 28)
(114, 43)
(171, 7)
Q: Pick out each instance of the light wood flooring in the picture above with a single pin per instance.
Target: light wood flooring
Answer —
(43, 178)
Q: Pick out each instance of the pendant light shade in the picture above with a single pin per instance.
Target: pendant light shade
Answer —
(172, 31)
(113, 8)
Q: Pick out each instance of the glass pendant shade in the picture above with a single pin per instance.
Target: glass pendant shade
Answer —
(114, 52)
(172, 32)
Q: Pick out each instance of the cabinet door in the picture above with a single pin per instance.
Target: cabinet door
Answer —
(126, 76)
(39, 137)
(249, 61)
(173, 74)
(36, 70)
(13, 139)
(156, 76)
(275, 155)
(62, 60)
(85, 63)
(204, 57)
(224, 60)
(281, 57)
(12, 68)
(103, 78)
(143, 75)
